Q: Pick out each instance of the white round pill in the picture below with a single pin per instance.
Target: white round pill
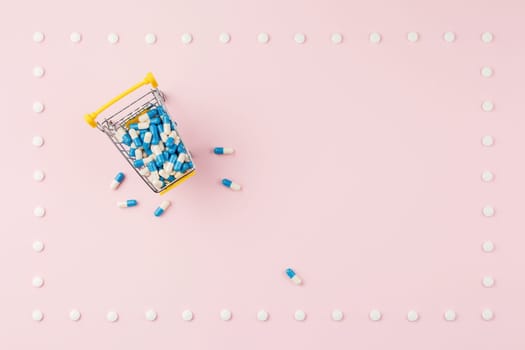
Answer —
(38, 71)
(150, 38)
(38, 37)
(487, 176)
(337, 315)
(488, 211)
(487, 282)
(449, 37)
(412, 36)
(112, 316)
(488, 246)
(487, 106)
(487, 141)
(38, 246)
(487, 72)
(487, 314)
(187, 315)
(38, 282)
(336, 38)
(450, 315)
(39, 212)
(186, 38)
(263, 38)
(150, 315)
(74, 315)
(38, 175)
(262, 315)
(299, 315)
(224, 38)
(375, 315)
(37, 315)
(412, 316)
(225, 315)
(38, 141)
(487, 37)
(299, 38)
(113, 38)
(375, 38)
(38, 107)
(75, 37)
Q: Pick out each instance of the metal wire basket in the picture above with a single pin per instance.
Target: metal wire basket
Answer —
(118, 123)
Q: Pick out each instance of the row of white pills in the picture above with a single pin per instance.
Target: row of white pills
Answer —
(263, 315)
(264, 37)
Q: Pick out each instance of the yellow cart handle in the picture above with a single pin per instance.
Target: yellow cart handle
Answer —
(149, 79)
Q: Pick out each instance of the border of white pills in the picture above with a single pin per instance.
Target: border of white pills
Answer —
(487, 37)
(487, 141)
(487, 314)
(224, 38)
(75, 315)
(39, 175)
(150, 38)
(39, 211)
(187, 315)
(113, 38)
(375, 38)
(38, 37)
(488, 211)
(299, 315)
(38, 141)
(38, 282)
(262, 315)
(75, 37)
(337, 315)
(186, 38)
(38, 246)
(112, 316)
(263, 38)
(150, 315)
(450, 315)
(488, 281)
(336, 38)
(449, 37)
(38, 71)
(375, 315)
(412, 316)
(38, 107)
(487, 246)
(225, 315)
(37, 315)
(487, 106)
(412, 37)
(299, 38)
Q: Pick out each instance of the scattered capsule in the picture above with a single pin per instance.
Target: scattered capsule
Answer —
(223, 150)
(117, 181)
(152, 113)
(162, 207)
(230, 184)
(128, 203)
(293, 276)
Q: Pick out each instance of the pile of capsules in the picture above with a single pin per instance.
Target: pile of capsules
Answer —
(155, 148)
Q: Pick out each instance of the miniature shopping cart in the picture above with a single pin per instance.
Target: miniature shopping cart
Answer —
(146, 136)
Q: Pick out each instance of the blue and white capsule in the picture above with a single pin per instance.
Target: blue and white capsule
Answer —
(117, 181)
(293, 276)
(166, 123)
(135, 137)
(162, 208)
(231, 185)
(127, 203)
(223, 150)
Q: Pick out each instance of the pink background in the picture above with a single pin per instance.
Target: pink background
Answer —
(360, 163)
